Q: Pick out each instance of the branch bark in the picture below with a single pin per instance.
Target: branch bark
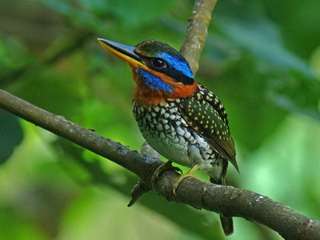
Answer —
(197, 32)
(202, 195)
(222, 199)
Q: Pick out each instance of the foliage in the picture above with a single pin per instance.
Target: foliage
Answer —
(262, 59)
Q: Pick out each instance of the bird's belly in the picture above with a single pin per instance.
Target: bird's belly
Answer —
(173, 147)
(171, 136)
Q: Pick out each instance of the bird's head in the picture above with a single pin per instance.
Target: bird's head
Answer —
(159, 71)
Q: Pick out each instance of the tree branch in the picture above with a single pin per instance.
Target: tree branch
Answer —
(222, 199)
(107, 148)
(197, 32)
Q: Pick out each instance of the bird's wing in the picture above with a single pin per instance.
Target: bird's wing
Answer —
(205, 114)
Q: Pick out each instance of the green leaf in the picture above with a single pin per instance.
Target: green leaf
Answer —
(133, 13)
(13, 56)
(11, 134)
(247, 26)
(286, 167)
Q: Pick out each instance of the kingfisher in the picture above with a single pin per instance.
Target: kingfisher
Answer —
(178, 117)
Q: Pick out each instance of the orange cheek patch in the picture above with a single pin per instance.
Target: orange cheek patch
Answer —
(147, 96)
(185, 91)
(180, 90)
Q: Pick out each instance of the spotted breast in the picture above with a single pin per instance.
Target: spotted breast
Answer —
(174, 129)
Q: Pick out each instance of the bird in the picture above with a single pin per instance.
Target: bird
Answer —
(178, 117)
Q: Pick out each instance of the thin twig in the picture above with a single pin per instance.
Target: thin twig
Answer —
(197, 32)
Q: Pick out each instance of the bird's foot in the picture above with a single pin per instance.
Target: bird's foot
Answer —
(177, 181)
(162, 168)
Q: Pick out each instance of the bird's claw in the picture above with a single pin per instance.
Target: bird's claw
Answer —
(162, 168)
(178, 180)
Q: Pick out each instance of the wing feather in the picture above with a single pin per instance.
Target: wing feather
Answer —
(206, 114)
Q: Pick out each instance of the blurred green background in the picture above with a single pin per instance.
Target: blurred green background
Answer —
(262, 58)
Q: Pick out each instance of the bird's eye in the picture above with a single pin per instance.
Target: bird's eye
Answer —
(158, 63)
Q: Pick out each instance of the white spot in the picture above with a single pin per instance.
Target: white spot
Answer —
(187, 134)
(180, 131)
(175, 139)
(162, 136)
(165, 141)
(160, 127)
(148, 116)
(182, 140)
(259, 198)
(165, 121)
(172, 134)
(173, 110)
(166, 127)
(172, 117)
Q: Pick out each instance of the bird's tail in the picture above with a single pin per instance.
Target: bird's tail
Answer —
(226, 222)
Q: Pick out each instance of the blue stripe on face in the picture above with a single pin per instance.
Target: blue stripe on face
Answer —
(177, 63)
(153, 81)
